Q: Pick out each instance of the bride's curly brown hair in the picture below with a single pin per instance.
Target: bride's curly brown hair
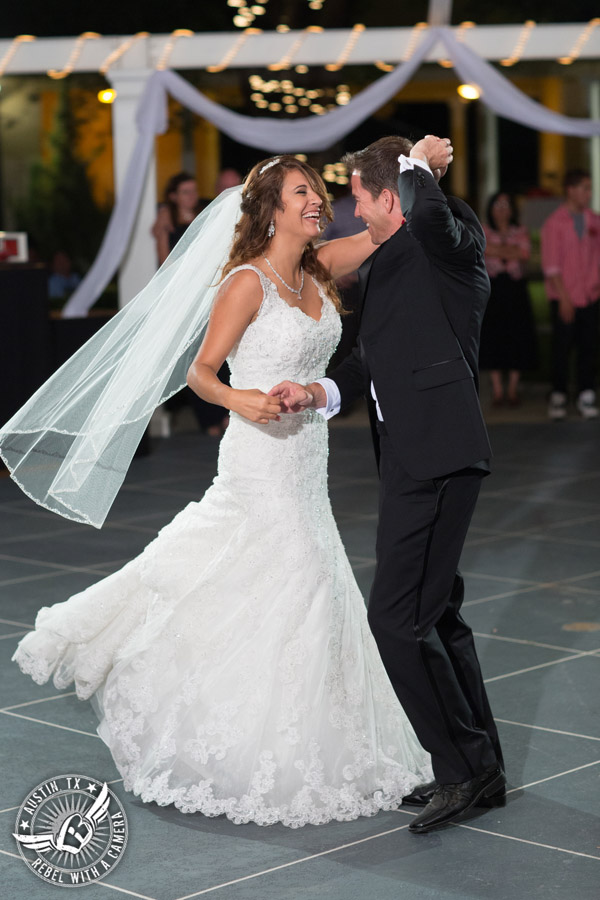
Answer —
(261, 196)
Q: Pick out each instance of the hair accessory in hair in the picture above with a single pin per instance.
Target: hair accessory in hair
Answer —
(272, 162)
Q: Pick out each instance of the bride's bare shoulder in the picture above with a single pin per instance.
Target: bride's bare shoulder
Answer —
(240, 292)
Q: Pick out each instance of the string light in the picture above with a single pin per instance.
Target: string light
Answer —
(344, 56)
(108, 95)
(520, 45)
(460, 36)
(168, 49)
(233, 51)
(20, 39)
(245, 15)
(286, 60)
(579, 43)
(121, 50)
(292, 97)
(410, 47)
(335, 173)
(469, 91)
(75, 54)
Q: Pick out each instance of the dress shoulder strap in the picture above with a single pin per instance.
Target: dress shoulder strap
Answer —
(263, 278)
(264, 282)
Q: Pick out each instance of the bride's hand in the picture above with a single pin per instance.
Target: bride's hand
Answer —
(255, 406)
(294, 397)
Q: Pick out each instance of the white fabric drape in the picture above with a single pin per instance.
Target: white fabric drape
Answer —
(506, 100)
(306, 134)
(271, 135)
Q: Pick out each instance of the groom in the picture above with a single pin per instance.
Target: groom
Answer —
(425, 290)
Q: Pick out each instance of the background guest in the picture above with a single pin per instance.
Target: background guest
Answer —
(508, 339)
(227, 178)
(62, 280)
(571, 264)
(180, 207)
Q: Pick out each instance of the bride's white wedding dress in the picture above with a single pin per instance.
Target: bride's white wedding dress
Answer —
(231, 663)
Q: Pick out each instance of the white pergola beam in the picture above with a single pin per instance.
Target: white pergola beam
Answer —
(492, 42)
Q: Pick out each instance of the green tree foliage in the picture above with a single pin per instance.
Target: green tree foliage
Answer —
(59, 211)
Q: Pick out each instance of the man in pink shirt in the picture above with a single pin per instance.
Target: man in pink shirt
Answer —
(571, 265)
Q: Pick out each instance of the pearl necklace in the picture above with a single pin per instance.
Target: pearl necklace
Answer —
(292, 290)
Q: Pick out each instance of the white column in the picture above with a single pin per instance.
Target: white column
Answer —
(595, 146)
(140, 261)
(491, 173)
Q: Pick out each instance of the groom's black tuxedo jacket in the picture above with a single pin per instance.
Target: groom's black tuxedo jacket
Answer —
(425, 292)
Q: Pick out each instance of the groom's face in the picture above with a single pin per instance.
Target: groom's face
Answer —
(374, 211)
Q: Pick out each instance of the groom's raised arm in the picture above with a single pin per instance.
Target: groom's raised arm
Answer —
(454, 240)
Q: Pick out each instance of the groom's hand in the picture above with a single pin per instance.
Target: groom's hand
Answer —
(436, 152)
(295, 397)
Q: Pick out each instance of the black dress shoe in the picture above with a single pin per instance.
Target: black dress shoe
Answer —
(421, 795)
(451, 801)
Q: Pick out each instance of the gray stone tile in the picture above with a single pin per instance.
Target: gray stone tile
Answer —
(559, 813)
(18, 881)
(552, 476)
(67, 710)
(563, 696)
(588, 582)
(479, 588)
(531, 560)
(587, 529)
(15, 687)
(532, 754)
(502, 513)
(451, 865)
(545, 615)
(129, 504)
(502, 657)
(364, 577)
(359, 537)
(86, 548)
(35, 752)
(351, 497)
(22, 600)
(20, 523)
(583, 489)
(11, 570)
(213, 851)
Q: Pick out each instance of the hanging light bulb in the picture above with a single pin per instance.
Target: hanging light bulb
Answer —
(469, 91)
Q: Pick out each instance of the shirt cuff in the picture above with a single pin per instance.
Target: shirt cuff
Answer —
(334, 398)
(407, 164)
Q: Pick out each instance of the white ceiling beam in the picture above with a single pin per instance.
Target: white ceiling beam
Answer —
(199, 51)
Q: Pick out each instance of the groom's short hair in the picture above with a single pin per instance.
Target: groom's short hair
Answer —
(377, 164)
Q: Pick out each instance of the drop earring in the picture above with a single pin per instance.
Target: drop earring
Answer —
(271, 230)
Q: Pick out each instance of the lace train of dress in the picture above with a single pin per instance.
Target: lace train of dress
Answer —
(231, 663)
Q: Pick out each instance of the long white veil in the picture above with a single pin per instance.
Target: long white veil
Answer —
(69, 447)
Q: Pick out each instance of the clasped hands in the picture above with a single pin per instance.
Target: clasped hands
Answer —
(286, 397)
(436, 152)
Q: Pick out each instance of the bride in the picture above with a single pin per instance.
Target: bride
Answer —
(231, 663)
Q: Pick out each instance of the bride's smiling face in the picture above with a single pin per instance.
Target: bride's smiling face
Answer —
(301, 211)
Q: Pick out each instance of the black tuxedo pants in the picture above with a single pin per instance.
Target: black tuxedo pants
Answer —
(414, 613)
